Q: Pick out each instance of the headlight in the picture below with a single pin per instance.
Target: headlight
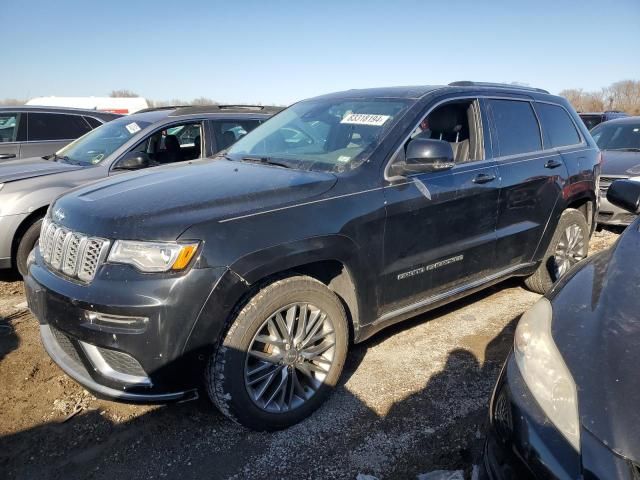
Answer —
(153, 256)
(545, 372)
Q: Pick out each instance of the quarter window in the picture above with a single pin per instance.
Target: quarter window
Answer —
(516, 127)
(55, 126)
(559, 130)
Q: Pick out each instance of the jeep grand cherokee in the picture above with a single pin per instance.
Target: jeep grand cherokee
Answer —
(345, 213)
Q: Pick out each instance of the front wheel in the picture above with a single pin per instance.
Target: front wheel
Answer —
(569, 245)
(281, 356)
(26, 244)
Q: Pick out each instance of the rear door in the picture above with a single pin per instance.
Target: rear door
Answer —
(532, 180)
(49, 132)
(12, 133)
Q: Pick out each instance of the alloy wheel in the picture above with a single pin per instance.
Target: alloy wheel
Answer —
(289, 357)
(570, 250)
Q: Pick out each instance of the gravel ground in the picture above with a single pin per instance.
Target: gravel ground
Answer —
(413, 399)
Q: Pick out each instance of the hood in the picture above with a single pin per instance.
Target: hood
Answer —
(160, 203)
(618, 162)
(596, 326)
(21, 169)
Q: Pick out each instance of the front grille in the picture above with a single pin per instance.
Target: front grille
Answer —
(605, 183)
(74, 254)
(121, 362)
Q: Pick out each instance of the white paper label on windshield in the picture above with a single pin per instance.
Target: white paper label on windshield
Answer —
(365, 119)
(133, 128)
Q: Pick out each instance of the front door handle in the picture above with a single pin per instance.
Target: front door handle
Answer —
(553, 164)
(6, 156)
(484, 178)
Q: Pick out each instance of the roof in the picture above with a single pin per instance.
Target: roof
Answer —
(180, 110)
(37, 108)
(623, 121)
(418, 91)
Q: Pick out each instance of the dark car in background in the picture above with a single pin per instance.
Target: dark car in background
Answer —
(566, 403)
(36, 131)
(619, 141)
(596, 118)
(340, 216)
(145, 139)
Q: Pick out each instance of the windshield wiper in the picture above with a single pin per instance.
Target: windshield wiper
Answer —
(265, 160)
(629, 149)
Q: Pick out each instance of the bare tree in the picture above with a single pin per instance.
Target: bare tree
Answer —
(12, 101)
(123, 93)
(203, 101)
(623, 96)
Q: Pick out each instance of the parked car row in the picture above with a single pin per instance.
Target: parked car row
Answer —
(148, 138)
(247, 275)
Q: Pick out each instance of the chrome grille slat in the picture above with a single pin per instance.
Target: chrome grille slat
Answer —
(71, 253)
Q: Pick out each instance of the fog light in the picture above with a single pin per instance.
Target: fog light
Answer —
(107, 322)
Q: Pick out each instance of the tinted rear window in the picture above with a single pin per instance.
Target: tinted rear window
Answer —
(516, 127)
(559, 130)
(55, 126)
(591, 121)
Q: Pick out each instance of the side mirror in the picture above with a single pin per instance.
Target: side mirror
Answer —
(625, 194)
(425, 155)
(133, 161)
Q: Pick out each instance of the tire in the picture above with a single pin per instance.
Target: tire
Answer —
(26, 244)
(230, 381)
(552, 267)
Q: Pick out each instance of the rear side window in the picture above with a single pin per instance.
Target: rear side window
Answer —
(229, 132)
(93, 122)
(559, 130)
(55, 126)
(516, 127)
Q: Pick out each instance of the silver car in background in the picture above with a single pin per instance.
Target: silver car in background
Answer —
(144, 139)
(619, 141)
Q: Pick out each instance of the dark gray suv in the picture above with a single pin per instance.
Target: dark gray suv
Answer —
(36, 131)
(145, 139)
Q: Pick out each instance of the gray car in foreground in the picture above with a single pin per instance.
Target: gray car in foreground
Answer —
(27, 131)
(145, 139)
(619, 141)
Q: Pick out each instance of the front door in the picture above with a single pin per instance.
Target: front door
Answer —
(440, 228)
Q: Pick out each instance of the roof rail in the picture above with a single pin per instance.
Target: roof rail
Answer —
(155, 109)
(467, 83)
(199, 109)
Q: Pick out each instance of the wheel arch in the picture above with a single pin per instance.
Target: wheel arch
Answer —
(330, 260)
(33, 217)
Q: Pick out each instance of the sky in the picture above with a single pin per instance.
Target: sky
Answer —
(278, 52)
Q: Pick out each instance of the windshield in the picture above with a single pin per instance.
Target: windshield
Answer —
(98, 144)
(325, 135)
(617, 136)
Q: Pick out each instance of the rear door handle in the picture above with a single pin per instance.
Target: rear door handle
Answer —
(5, 156)
(484, 178)
(553, 164)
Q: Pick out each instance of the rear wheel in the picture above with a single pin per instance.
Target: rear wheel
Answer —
(569, 245)
(281, 356)
(26, 244)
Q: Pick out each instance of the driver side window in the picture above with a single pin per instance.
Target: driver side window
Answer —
(177, 143)
(460, 124)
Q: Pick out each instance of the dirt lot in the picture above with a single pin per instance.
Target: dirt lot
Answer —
(413, 400)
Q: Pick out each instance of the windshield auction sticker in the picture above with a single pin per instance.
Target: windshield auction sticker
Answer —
(133, 128)
(365, 119)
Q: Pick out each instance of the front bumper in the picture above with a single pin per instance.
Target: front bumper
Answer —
(161, 359)
(609, 214)
(522, 443)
